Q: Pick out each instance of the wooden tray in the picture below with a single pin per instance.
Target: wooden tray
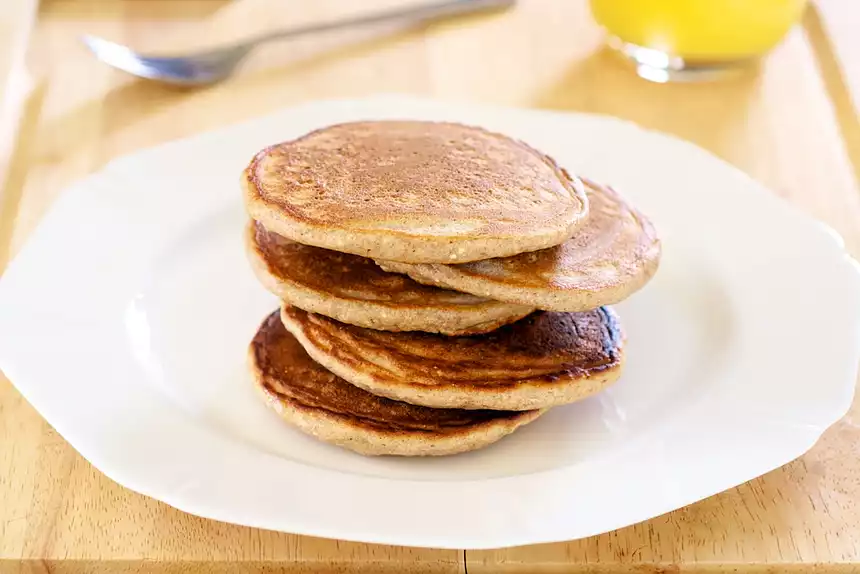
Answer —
(790, 124)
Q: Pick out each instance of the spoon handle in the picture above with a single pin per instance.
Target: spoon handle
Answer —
(413, 15)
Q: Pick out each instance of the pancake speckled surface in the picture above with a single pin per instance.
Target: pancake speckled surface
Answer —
(354, 290)
(327, 407)
(417, 192)
(543, 360)
(614, 254)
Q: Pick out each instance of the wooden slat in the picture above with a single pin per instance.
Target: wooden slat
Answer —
(16, 23)
(840, 21)
(832, 27)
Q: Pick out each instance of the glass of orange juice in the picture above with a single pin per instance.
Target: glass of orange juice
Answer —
(693, 39)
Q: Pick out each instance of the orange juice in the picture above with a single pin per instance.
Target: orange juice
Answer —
(700, 30)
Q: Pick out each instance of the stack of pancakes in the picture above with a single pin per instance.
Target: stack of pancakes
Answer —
(442, 285)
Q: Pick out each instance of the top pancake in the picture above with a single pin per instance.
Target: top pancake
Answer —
(417, 192)
(613, 254)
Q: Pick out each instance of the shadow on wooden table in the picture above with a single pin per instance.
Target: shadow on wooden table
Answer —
(708, 113)
(151, 9)
(15, 176)
(132, 109)
(131, 101)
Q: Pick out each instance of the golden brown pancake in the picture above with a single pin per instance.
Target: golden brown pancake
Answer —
(327, 407)
(354, 290)
(418, 192)
(613, 255)
(544, 360)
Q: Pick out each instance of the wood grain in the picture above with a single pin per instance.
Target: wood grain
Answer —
(840, 21)
(779, 123)
(832, 29)
(16, 23)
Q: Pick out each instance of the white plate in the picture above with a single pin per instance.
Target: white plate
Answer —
(125, 321)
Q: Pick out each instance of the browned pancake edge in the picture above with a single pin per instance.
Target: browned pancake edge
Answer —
(324, 405)
(354, 290)
(411, 191)
(543, 360)
(612, 255)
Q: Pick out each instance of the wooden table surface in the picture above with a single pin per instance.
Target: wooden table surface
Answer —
(791, 124)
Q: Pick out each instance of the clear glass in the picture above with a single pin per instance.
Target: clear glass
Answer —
(694, 39)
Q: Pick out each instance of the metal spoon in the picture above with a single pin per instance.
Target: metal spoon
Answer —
(214, 65)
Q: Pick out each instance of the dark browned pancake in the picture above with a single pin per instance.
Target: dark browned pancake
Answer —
(412, 191)
(329, 408)
(354, 290)
(546, 359)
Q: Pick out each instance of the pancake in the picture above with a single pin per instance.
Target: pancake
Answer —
(613, 255)
(354, 290)
(417, 192)
(544, 360)
(327, 407)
